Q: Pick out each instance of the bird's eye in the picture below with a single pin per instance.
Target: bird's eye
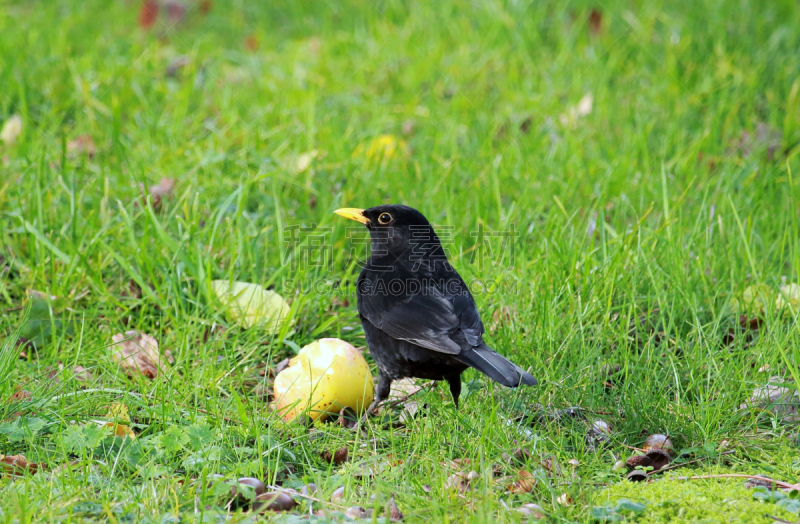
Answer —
(384, 218)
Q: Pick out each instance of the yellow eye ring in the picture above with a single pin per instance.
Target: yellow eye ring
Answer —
(384, 218)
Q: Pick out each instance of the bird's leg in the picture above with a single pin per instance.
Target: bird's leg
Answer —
(455, 386)
(384, 387)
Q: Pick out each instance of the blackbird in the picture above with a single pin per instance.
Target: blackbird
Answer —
(419, 317)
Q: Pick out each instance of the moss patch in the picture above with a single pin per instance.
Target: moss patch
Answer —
(708, 501)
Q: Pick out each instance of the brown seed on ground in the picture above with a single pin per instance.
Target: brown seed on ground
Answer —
(658, 458)
(637, 475)
(274, 501)
(338, 494)
(238, 497)
(638, 460)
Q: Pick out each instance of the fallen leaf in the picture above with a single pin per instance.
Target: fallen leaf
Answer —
(382, 147)
(304, 160)
(788, 297)
(121, 430)
(502, 316)
(357, 512)
(573, 114)
(755, 298)
(137, 353)
(524, 484)
(250, 305)
(18, 465)
(402, 391)
(784, 402)
(595, 22)
(564, 499)
(348, 418)
(599, 434)
(458, 481)
(337, 457)
(765, 138)
(20, 395)
(148, 14)
(251, 43)
(82, 374)
(393, 512)
(375, 465)
(160, 192)
(11, 130)
(532, 510)
(82, 144)
(176, 11)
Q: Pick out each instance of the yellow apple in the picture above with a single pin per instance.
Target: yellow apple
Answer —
(325, 376)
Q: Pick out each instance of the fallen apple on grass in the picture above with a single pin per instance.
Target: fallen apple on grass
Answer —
(326, 376)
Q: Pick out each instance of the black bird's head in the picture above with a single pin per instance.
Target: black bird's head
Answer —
(397, 230)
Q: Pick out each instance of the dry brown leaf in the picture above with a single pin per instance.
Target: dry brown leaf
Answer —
(459, 481)
(137, 353)
(176, 11)
(595, 22)
(393, 512)
(82, 144)
(524, 484)
(502, 316)
(337, 457)
(18, 465)
(402, 390)
(82, 374)
(160, 192)
(251, 43)
(21, 394)
(148, 14)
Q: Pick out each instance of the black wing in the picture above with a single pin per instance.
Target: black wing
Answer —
(432, 318)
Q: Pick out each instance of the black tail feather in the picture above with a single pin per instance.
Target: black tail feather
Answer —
(496, 367)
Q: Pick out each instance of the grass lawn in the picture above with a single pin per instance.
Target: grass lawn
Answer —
(614, 178)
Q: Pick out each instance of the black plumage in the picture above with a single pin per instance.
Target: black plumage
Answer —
(418, 315)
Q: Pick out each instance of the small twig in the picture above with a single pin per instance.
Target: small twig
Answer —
(778, 519)
(780, 483)
(676, 466)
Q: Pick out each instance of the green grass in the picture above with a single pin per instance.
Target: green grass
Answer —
(637, 223)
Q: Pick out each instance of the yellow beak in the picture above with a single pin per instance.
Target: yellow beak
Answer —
(353, 214)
